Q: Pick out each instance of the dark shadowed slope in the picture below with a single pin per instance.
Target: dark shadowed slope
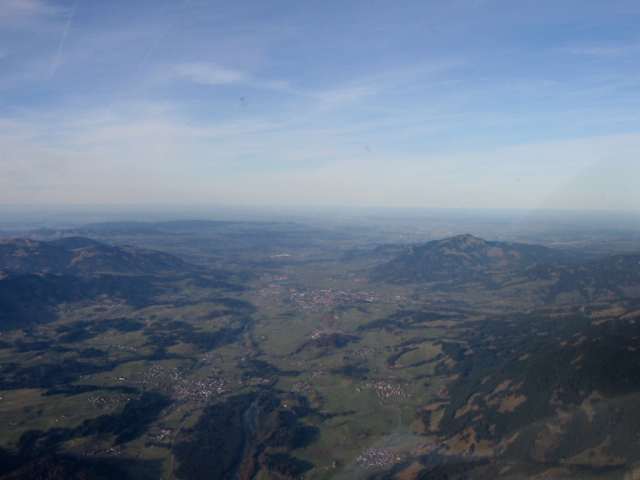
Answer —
(616, 276)
(36, 277)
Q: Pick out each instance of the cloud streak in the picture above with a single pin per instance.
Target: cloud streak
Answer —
(57, 59)
(214, 75)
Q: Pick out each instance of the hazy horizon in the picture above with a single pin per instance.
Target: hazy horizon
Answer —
(480, 221)
(468, 104)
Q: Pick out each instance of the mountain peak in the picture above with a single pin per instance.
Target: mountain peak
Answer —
(465, 239)
(461, 258)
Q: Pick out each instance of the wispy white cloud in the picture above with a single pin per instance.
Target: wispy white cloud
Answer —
(338, 97)
(382, 83)
(212, 74)
(330, 98)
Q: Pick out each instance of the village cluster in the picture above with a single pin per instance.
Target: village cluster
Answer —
(378, 458)
(107, 402)
(327, 298)
(182, 387)
(316, 300)
(387, 391)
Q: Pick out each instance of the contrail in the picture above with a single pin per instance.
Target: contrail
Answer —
(163, 33)
(56, 59)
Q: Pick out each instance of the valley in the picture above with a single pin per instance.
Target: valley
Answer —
(260, 350)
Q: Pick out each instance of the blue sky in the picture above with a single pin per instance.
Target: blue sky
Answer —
(464, 103)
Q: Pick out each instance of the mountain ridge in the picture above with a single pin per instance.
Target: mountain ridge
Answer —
(83, 256)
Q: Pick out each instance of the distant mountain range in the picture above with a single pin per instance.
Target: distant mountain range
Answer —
(195, 240)
(173, 227)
